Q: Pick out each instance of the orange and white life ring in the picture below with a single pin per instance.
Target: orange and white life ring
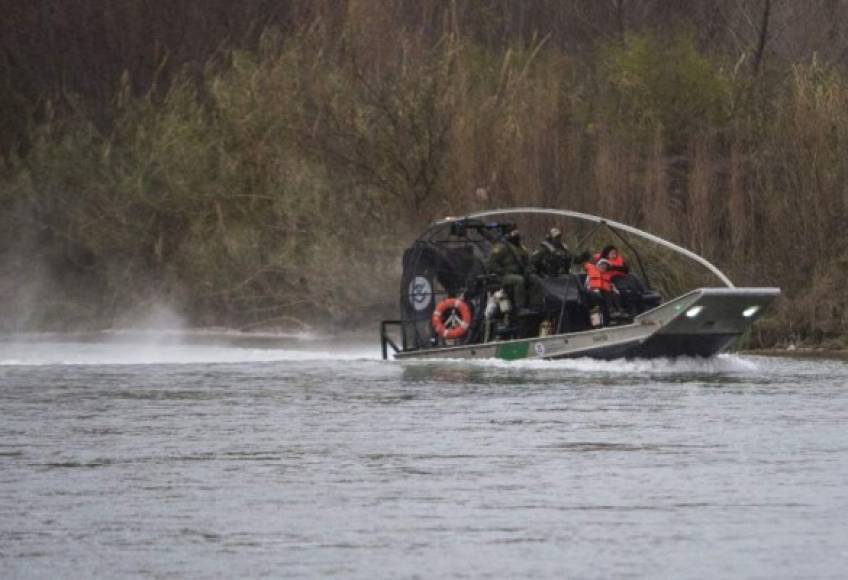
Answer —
(457, 322)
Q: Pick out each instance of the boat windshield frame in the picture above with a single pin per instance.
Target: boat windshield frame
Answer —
(599, 221)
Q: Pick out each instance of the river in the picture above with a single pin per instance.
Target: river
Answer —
(165, 459)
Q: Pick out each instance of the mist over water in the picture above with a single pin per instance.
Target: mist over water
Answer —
(158, 348)
(198, 455)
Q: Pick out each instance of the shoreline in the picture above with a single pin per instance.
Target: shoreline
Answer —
(270, 339)
(799, 352)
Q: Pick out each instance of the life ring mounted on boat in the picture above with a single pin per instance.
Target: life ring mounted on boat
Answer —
(458, 318)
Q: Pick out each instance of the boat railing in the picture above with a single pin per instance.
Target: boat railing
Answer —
(385, 339)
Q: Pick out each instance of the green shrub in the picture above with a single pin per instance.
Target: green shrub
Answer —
(650, 83)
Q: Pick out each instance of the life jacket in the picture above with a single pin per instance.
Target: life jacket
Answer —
(615, 263)
(597, 280)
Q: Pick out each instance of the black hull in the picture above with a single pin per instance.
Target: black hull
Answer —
(667, 346)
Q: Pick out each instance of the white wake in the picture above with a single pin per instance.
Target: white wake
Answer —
(724, 363)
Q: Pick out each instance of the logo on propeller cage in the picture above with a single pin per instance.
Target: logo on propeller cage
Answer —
(420, 293)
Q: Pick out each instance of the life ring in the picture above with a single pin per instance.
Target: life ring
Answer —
(458, 324)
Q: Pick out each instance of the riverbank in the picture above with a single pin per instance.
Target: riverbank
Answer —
(301, 338)
(799, 352)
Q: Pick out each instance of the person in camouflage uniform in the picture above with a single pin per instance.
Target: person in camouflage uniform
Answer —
(553, 258)
(509, 260)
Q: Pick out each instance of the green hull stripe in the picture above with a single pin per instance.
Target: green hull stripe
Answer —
(513, 351)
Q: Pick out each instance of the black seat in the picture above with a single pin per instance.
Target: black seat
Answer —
(650, 299)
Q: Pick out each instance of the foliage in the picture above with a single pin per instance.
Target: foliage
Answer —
(669, 84)
(277, 182)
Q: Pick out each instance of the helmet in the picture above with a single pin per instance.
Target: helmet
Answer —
(554, 234)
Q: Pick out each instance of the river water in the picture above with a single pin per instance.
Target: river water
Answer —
(138, 458)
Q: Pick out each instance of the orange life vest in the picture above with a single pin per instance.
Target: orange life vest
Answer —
(618, 261)
(597, 280)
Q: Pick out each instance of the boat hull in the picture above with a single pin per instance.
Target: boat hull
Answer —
(701, 323)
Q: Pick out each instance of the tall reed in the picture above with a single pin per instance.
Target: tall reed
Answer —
(280, 182)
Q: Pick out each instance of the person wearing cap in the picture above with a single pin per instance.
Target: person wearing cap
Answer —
(509, 261)
(553, 258)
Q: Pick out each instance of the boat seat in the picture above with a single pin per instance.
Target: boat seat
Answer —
(650, 299)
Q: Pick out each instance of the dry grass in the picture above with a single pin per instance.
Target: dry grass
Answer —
(283, 180)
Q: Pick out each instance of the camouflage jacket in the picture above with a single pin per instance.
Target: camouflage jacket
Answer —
(507, 258)
(551, 259)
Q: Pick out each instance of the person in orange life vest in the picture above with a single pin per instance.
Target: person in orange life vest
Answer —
(617, 267)
(597, 276)
(630, 287)
(599, 284)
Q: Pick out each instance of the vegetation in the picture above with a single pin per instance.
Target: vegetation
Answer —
(266, 163)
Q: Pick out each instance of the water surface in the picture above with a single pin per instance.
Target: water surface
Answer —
(158, 460)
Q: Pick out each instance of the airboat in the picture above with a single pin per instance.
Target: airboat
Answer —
(452, 307)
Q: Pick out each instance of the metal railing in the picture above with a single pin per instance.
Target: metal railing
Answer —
(386, 340)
